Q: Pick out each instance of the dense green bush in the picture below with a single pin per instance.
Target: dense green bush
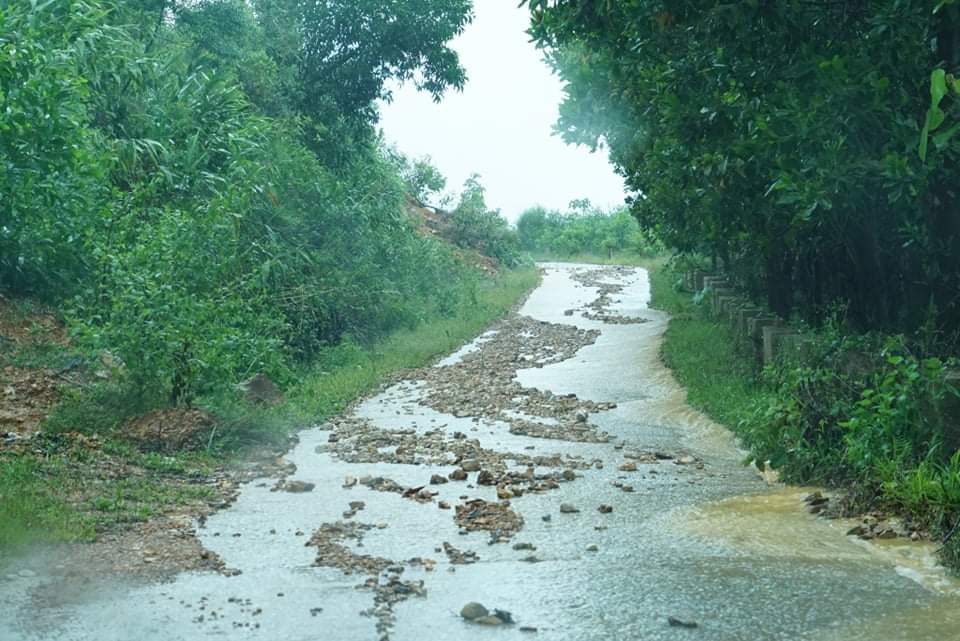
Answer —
(162, 178)
(855, 408)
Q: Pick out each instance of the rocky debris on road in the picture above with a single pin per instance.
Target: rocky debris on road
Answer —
(598, 309)
(437, 479)
(332, 553)
(294, 487)
(381, 484)
(355, 506)
(674, 622)
(568, 508)
(605, 509)
(483, 383)
(360, 441)
(389, 590)
(477, 613)
(497, 518)
(457, 556)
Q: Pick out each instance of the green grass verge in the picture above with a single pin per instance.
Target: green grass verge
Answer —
(704, 357)
(69, 493)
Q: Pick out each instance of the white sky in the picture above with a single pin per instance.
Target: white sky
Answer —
(500, 125)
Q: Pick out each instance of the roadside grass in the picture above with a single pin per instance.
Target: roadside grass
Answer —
(704, 356)
(720, 381)
(32, 507)
(58, 491)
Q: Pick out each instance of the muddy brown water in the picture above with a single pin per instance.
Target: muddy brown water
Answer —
(711, 543)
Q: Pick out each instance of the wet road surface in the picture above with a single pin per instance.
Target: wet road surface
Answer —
(692, 534)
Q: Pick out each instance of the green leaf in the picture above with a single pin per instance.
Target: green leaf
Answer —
(938, 86)
(942, 138)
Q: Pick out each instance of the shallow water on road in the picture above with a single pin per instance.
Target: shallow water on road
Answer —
(708, 542)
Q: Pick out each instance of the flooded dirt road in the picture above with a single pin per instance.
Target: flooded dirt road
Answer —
(550, 469)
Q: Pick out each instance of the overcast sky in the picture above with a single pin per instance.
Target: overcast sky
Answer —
(500, 125)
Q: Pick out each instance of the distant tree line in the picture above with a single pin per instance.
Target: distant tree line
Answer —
(583, 229)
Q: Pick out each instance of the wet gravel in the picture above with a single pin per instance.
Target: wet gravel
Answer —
(549, 471)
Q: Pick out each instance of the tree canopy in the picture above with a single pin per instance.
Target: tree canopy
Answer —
(201, 184)
(790, 139)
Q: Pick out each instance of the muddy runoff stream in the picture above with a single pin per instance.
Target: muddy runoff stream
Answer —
(551, 470)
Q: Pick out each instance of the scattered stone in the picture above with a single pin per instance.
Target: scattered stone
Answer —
(349, 481)
(605, 509)
(679, 623)
(524, 546)
(685, 460)
(629, 466)
(443, 505)
(497, 518)
(297, 487)
(627, 488)
(473, 610)
(458, 475)
(593, 548)
(459, 557)
(437, 479)
(486, 478)
(471, 465)
(527, 628)
(546, 518)
(567, 508)
(569, 475)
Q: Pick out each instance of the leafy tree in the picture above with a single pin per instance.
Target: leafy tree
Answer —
(781, 138)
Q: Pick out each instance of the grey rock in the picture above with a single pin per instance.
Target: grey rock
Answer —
(473, 610)
(679, 623)
(567, 508)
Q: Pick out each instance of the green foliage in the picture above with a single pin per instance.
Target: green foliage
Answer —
(51, 176)
(473, 225)
(781, 139)
(584, 230)
(161, 180)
